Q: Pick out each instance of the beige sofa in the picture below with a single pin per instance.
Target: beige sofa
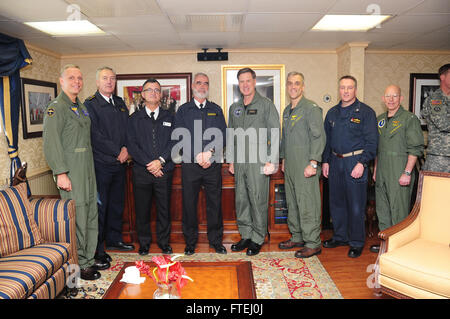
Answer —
(414, 257)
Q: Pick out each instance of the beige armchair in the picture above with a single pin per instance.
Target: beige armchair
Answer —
(414, 257)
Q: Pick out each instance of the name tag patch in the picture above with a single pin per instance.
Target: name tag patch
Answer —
(252, 112)
(355, 120)
(167, 124)
(436, 102)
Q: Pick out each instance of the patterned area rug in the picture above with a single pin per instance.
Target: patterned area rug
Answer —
(277, 275)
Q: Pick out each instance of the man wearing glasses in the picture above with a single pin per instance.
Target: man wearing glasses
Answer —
(202, 167)
(400, 144)
(149, 144)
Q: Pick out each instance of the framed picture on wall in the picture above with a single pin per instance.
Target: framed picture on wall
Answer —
(421, 85)
(35, 97)
(270, 82)
(175, 89)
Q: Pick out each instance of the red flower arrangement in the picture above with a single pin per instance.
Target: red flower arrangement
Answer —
(166, 271)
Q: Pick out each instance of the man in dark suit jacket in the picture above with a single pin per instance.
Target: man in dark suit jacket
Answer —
(149, 144)
(202, 166)
(109, 117)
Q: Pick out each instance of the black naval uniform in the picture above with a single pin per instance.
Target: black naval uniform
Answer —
(149, 139)
(194, 176)
(108, 136)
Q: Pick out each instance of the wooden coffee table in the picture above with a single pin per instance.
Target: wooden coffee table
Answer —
(212, 280)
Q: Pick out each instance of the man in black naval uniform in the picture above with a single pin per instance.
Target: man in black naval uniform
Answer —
(202, 167)
(352, 139)
(149, 144)
(109, 116)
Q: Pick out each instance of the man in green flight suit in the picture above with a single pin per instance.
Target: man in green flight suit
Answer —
(401, 142)
(256, 128)
(302, 144)
(67, 149)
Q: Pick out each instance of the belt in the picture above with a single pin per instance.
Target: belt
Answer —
(348, 154)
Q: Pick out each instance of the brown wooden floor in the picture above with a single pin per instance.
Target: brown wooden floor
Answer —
(349, 274)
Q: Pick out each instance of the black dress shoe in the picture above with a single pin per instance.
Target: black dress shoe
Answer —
(331, 243)
(167, 250)
(375, 249)
(101, 265)
(253, 249)
(103, 258)
(120, 246)
(355, 252)
(89, 273)
(219, 248)
(189, 250)
(241, 245)
(143, 250)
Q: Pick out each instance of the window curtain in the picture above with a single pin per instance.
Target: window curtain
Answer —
(13, 57)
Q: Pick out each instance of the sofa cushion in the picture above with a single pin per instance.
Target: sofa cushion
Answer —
(53, 286)
(18, 230)
(422, 264)
(23, 272)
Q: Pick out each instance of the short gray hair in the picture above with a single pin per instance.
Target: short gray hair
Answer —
(294, 73)
(68, 66)
(100, 69)
(197, 75)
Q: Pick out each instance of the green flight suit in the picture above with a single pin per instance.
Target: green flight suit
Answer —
(303, 140)
(251, 185)
(67, 149)
(400, 136)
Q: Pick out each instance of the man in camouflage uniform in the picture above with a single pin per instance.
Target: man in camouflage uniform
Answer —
(400, 144)
(302, 144)
(68, 151)
(436, 112)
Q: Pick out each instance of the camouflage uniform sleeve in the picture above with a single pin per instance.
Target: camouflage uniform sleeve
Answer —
(53, 149)
(414, 137)
(439, 116)
(317, 134)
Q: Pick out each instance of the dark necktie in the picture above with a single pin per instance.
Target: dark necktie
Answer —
(152, 116)
(201, 105)
(111, 101)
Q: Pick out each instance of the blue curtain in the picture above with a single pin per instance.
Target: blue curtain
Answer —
(13, 57)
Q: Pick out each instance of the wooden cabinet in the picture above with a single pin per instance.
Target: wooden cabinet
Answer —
(277, 231)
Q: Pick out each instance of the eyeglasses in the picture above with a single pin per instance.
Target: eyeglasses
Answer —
(152, 90)
(394, 96)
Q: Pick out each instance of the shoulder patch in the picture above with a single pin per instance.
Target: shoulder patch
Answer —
(50, 111)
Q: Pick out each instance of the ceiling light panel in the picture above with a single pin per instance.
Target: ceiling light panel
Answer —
(67, 28)
(349, 22)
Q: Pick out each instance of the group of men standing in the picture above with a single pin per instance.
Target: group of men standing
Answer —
(87, 145)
